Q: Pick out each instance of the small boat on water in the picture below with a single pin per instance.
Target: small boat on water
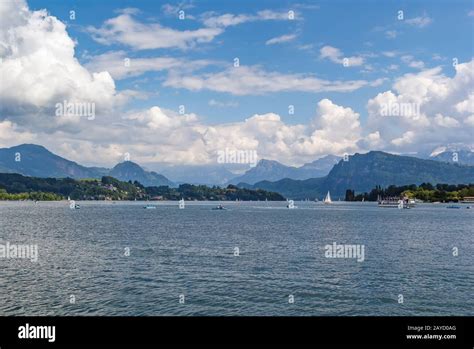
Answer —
(395, 202)
(149, 207)
(219, 207)
(327, 200)
(454, 206)
(467, 200)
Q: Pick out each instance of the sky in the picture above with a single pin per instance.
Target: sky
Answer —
(178, 82)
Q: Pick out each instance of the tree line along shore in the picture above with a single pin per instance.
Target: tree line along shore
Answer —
(425, 192)
(18, 187)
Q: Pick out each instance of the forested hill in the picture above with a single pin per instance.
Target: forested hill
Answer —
(17, 187)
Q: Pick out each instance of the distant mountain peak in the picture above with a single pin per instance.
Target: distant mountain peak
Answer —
(37, 161)
(30, 147)
(273, 170)
(365, 171)
(438, 151)
(269, 163)
(456, 153)
(131, 171)
(452, 147)
(128, 164)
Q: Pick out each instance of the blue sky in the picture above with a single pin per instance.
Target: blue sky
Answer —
(356, 28)
(284, 61)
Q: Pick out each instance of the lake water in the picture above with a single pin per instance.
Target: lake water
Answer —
(281, 267)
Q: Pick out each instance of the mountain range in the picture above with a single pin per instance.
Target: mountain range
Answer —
(454, 154)
(198, 174)
(362, 172)
(271, 170)
(130, 171)
(37, 161)
(331, 173)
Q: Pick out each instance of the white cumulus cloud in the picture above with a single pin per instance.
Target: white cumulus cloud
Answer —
(337, 56)
(281, 39)
(246, 80)
(126, 30)
(39, 69)
(425, 109)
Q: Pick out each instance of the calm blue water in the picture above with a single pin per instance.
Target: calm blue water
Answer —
(191, 252)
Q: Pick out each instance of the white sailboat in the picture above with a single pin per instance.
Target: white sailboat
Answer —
(327, 199)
